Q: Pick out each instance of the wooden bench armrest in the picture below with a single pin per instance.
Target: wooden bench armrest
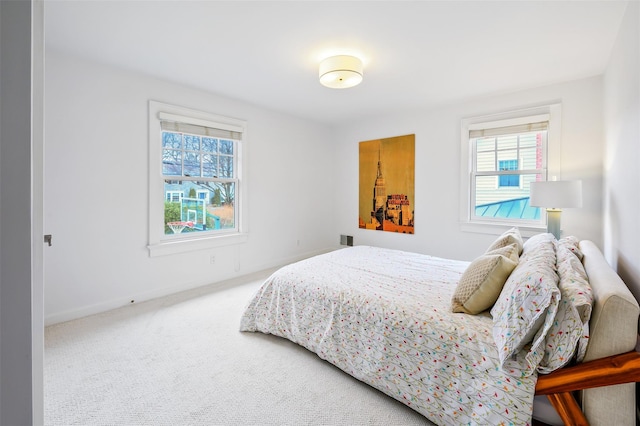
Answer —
(612, 370)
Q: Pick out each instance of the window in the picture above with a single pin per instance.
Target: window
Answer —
(205, 164)
(195, 179)
(502, 155)
(174, 196)
(508, 180)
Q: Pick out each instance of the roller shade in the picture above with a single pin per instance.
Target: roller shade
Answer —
(508, 130)
(193, 126)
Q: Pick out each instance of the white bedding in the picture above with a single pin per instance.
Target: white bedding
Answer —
(384, 316)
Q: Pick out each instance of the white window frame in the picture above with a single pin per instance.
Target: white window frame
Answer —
(552, 112)
(161, 244)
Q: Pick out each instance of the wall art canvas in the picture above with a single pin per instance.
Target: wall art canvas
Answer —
(387, 170)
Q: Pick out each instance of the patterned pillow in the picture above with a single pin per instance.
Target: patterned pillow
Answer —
(563, 336)
(571, 243)
(482, 281)
(512, 236)
(569, 332)
(526, 308)
(575, 287)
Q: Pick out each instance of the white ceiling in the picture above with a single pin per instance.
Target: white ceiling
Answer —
(415, 53)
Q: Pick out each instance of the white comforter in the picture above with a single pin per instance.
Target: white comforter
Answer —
(384, 317)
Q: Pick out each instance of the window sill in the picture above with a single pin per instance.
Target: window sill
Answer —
(181, 246)
(498, 228)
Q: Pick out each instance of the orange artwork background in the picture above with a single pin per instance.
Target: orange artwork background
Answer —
(387, 184)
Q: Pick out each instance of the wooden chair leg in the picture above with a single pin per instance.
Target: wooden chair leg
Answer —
(568, 409)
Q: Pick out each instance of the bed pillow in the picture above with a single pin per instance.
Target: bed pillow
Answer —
(562, 338)
(482, 281)
(532, 244)
(569, 333)
(512, 236)
(526, 307)
(571, 243)
(575, 287)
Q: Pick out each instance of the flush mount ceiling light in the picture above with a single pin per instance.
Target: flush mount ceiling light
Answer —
(340, 72)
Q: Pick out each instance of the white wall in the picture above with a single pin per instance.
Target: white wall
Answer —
(96, 179)
(622, 154)
(437, 174)
(303, 185)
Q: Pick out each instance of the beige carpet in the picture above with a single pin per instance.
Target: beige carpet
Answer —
(181, 360)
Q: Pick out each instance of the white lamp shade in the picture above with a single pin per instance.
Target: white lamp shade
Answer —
(340, 72)
(556, 194)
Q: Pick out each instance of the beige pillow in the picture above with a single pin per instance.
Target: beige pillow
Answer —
(512, 236)
(482, 281)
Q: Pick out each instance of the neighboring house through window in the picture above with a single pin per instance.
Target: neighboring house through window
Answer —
(195, 180)
(502, 155)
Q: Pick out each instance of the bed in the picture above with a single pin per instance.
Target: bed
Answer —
(405, 324)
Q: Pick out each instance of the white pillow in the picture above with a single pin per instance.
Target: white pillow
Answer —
(534, 242)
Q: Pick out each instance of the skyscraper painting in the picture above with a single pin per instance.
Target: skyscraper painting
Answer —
(387, 184)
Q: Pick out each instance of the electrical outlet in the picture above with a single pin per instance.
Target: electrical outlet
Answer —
(212, 260)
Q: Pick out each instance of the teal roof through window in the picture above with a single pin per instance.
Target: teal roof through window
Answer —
(517, 208)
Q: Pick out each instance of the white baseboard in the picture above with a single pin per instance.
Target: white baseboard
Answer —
(228, 280)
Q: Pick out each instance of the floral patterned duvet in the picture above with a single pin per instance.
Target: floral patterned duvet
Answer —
(384, 317)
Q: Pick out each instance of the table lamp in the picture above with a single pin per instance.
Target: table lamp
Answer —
(555, 195)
